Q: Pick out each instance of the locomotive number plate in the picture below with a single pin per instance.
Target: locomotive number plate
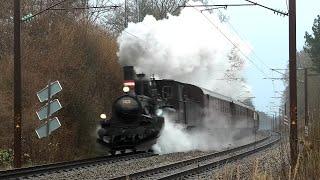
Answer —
(126, 101)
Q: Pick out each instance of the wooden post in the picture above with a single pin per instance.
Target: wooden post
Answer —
(293, 83)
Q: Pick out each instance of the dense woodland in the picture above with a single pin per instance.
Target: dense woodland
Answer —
(65, 46)
(78, 48)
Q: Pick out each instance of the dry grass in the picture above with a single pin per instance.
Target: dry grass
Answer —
(259, 167)
(274, 164)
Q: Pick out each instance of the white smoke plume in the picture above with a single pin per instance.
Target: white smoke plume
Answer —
(193, 47)
(216, 133)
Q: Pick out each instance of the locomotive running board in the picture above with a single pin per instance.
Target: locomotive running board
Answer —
(106, 145)
(145, 144)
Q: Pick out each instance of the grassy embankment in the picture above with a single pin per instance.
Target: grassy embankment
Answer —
(274, 164)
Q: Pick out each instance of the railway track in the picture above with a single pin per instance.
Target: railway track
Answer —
(37, 171)
(189, 169)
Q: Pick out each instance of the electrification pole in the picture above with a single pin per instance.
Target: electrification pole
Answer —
(280, 122)
(274, 122)
(17, 86)
(137, 11)
(306, 111)
(293, 83)
(125, 14)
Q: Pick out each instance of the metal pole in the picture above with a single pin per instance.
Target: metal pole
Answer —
(48, 114)
(276, 121)
(285, 115)
(273, 121)
(125, 14)
(280, 122)
(306, 111)
(17, 86)
(293, 83)
(139, 15)
(255, 129)
(137, 11)
(48, 110)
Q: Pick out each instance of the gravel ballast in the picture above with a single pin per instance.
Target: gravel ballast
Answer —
(124, 168)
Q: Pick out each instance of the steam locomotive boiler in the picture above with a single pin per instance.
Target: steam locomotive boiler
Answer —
(136, 119)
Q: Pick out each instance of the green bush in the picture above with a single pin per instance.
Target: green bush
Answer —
(6, 157)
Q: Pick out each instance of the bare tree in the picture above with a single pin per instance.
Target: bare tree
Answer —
(136, 10)
(236, 65)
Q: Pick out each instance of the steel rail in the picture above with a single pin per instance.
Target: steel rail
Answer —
(180, 164)
(209, 166)
(65, 166)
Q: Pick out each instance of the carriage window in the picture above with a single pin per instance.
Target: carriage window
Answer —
(223, 107)
(166, 91)
(216, 104)
(228, 107)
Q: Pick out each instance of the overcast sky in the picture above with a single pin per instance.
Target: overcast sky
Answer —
(267, 33)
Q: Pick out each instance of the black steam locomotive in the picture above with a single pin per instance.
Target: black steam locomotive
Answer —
(137, 119)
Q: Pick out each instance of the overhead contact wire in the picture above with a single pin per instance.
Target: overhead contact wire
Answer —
(233, 43)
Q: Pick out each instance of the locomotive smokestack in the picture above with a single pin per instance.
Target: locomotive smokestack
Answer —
(129, 73)
(130, 77)
(141, 76)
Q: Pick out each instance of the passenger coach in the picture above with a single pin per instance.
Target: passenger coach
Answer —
(193, 104)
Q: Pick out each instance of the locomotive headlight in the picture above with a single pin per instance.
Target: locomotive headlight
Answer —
(126, 89)
(159, 112)
(103, 116)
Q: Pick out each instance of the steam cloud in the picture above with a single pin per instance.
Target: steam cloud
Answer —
(194, 48)
(189, 48)
(216, 133)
